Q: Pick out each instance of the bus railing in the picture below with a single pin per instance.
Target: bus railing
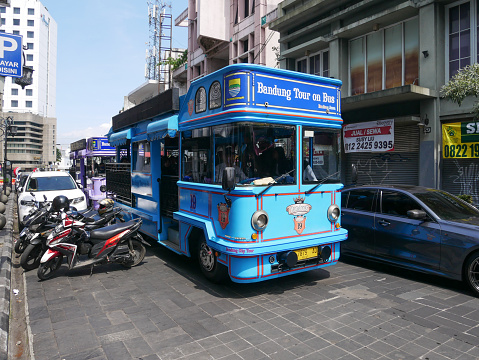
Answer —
(118, 181)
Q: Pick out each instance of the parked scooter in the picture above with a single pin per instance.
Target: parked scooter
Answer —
(106, 215)
(120, 243)
(36, 214)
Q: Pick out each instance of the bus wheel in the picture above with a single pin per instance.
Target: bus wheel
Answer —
(210, 267)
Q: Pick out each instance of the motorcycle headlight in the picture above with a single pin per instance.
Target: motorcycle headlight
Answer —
(77, 200)
(27, 202)
(259, 220)
(333, 213)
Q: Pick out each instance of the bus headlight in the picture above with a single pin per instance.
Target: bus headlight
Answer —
(259, 220)
(333, 213)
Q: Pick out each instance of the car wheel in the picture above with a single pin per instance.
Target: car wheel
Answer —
(471, 273)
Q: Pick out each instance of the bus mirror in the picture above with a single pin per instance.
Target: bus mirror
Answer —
(103, 188)
(228, 180)
(354, 173)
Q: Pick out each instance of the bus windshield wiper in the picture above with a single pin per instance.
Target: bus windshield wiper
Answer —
(273, 182)
(321, 182)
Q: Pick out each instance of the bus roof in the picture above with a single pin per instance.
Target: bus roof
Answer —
(248, 92)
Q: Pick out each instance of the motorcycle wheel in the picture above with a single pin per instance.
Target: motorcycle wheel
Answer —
(31, 256)
(21, 245)
(139, 252)
(48, 269)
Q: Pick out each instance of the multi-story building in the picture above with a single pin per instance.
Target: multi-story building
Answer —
(32, 108)
(222, 32)
(393, 58)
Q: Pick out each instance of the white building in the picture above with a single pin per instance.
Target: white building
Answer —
(32, 108)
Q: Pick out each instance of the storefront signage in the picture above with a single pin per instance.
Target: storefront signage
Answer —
(460, 140)
(371, 136)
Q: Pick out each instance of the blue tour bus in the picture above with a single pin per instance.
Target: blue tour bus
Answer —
(242, 172)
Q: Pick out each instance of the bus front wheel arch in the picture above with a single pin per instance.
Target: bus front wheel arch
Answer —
(207, 258)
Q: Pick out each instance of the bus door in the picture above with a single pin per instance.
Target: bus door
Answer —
(169, 176)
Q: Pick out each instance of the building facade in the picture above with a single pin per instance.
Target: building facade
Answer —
(32, 108)
(222, 32)
(393, 58)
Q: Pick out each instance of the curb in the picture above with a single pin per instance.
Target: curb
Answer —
(6, 245)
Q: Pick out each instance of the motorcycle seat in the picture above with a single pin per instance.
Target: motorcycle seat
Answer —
(110, 231)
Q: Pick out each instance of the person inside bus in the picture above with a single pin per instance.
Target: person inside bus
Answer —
(280, 165)
(228, 160)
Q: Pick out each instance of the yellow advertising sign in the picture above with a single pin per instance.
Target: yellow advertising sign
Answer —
(460, 140)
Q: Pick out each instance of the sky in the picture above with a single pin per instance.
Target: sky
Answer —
(101, 48)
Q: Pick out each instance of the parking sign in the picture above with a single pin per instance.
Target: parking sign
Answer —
(11, 55)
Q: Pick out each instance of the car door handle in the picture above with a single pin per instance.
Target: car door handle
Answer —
(384, 223)
(415, 232)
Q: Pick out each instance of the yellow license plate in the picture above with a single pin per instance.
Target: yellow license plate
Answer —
(307, 253)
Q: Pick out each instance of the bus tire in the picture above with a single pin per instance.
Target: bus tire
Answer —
(208, 261)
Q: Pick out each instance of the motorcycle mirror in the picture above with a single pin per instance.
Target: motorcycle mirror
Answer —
(44, 197)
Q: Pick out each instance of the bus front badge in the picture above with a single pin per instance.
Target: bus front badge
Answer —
(223, 214)
(299, 208)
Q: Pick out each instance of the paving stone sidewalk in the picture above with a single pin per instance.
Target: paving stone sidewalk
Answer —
(6, 245)
(164, 309)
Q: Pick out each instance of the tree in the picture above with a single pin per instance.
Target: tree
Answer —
(465, 83)
(176, 62)
(59, 155)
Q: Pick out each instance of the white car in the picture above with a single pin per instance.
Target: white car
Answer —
(50, 184)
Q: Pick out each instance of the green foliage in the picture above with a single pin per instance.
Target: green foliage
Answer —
(466, 198)
(59, 155)
(465, 83)
(176, 63)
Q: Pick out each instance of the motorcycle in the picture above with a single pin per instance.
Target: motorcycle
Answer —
(37, 246)
(119, 243)
(25, 233)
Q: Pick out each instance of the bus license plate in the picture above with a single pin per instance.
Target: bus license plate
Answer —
(307, 253)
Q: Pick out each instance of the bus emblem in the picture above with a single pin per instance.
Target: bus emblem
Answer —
(234, 87)
(223, 214)
(299, 208)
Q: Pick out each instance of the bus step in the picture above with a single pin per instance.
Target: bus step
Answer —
(171, 245)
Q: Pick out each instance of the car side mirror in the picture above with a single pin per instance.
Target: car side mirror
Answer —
(417, 214)
(20, 189)
(228, 180)
(354, 173)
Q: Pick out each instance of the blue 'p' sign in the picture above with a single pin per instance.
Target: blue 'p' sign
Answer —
(10, 55)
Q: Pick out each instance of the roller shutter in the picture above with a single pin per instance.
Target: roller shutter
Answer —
(461, 176)
(400, 166)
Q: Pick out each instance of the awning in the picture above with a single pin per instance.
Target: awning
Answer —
(162, 128)
(120, 138)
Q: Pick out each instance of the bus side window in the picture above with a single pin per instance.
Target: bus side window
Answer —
(196, 157)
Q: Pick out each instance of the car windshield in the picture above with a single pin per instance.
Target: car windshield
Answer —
(51, 183)
(447, 206)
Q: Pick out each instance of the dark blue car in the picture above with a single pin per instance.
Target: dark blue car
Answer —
(415, 227)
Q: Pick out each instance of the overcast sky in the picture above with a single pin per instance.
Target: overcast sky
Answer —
(101, 48)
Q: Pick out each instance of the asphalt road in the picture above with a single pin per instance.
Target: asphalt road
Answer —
(165, 309)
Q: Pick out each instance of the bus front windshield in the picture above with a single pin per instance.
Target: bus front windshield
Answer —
(321, 155)
(259, 153)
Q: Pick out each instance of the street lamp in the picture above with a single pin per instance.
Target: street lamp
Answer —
(7, 128)
(27, 78)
